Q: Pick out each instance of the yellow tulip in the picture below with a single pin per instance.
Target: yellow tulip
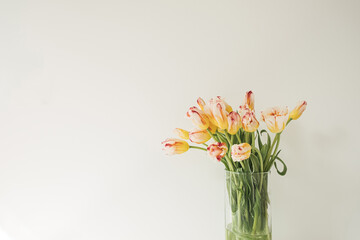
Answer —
(249, 122)
(175, 146)
(240, 152)
(275, 118)
(198, 117)
(181, 133)
(249, 100)
(201, 136)
(219, 111)
(298, 110)
(234, 123)
(217, 150)
(212, 128)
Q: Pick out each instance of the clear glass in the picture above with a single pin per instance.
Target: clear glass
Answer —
(247, 206)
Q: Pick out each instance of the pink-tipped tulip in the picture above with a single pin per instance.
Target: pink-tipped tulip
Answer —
(217, 150)
(219, 111)
(240, 152)
(173, 146)
(234, 123)
(199, 137)
(298, 110)
(275, 118)
(198, 117)
(250, 100)
(243, 109)
(249, 122)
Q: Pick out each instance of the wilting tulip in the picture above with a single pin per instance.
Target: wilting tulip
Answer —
(249, 100)
(181, 133)
(298, 110)
(201, 136)
(198, 117)
(217, 150)
(234, 122)
(249, 122)
(175, 146)
(240, 152)
(275, 118)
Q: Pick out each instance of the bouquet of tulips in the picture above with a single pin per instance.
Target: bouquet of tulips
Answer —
(239, 144)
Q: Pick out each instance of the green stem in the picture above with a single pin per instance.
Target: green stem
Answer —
(290, 119)
(238, 137)
(246, 137)
(204, 149)
(213, 136)
(228, 138)
(252, 139)
(230, 163)
(272, 146)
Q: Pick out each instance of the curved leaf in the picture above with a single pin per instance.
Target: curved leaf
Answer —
(283, 172)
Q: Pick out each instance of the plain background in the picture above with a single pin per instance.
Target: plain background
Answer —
(89, 89)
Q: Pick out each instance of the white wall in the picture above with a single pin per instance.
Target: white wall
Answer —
(89, 89)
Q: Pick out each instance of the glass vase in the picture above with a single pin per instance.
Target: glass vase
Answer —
(247, 206)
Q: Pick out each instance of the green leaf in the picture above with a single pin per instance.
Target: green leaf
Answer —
(255, 162)
(264, 150)
(266, 147)
(268, 141)
(272, 160)
(283, 172)
(259, 139)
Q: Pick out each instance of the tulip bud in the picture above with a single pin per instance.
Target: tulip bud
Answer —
(201, 136)
(249, 100)
(181, 133)
(275, 118)
(298, 110)
(198, 117)
(175, 146)
(217, 150)
(234, 122)
(240, 152)
(249, 122)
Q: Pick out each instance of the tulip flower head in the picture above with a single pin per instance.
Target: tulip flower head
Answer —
(173, 146)
(249, 122)
(219, 111)
(217, 150)
(234, 123)
(199, 137)
(243, 109)
(298, 110)
(250, 100)
(275, 118)
(198, 117)
(181, 133)
(240, 152)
